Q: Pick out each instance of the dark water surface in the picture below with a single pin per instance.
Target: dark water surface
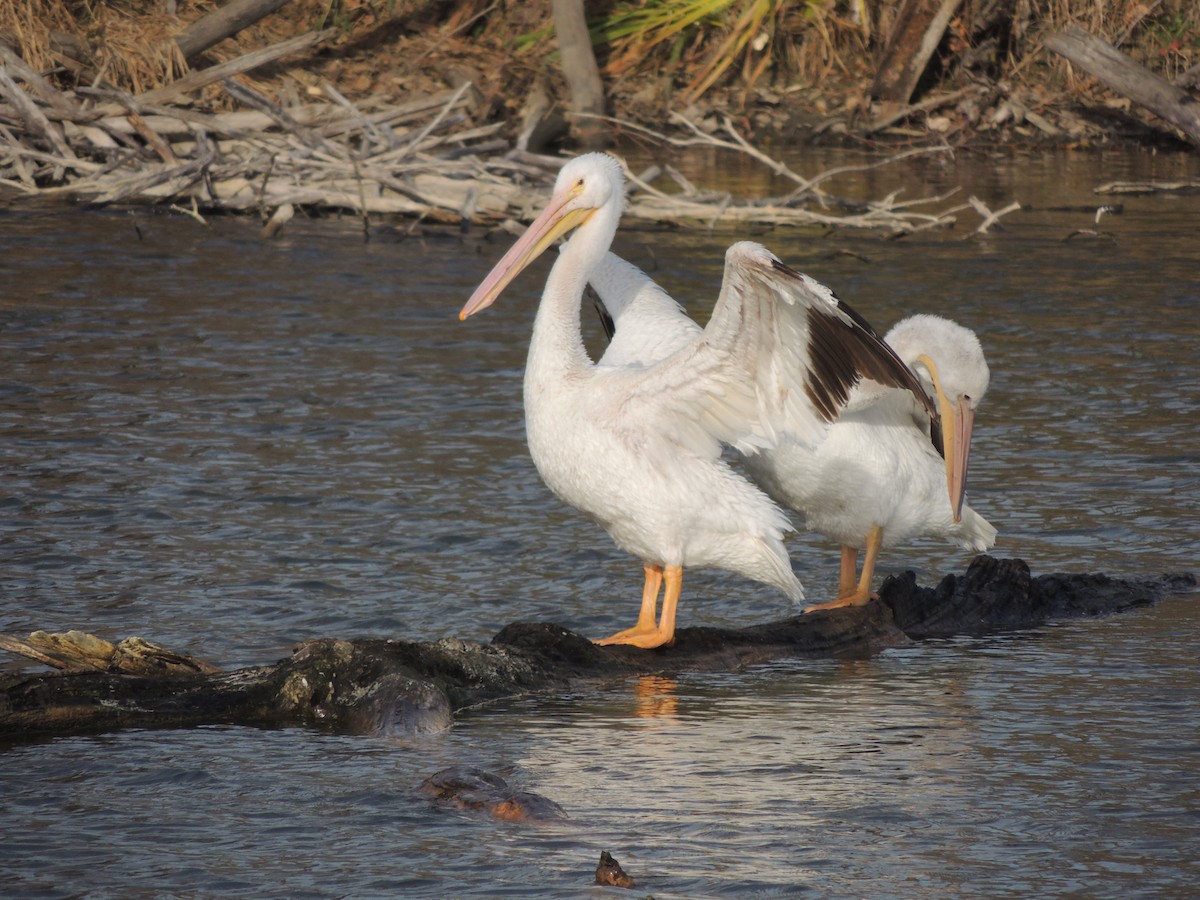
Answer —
(227, 445)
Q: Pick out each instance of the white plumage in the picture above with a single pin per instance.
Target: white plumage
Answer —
(874, 478)
(636, 445)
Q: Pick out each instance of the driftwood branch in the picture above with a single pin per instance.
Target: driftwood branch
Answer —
(245, 63)
(224, 22)
(937, 101)
(990, 218)
(1127, 78)
(33, 117)
(33, 80)
(399, 686)
(1150, 187)
(75, 651)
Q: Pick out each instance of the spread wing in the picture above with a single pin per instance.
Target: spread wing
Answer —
(779, 356)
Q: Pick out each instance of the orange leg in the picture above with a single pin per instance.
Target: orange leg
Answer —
(849, 570)
(850, 594)
(646, 622)
(664, 634)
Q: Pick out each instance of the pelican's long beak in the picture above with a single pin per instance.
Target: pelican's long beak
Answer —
(958, 423)
(958, 448)
(556, 220)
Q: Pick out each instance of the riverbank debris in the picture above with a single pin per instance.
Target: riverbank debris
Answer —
(1172, 102)
(424, 158)
(427, 158)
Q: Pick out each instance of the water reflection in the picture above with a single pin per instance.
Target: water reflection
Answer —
(656, 697)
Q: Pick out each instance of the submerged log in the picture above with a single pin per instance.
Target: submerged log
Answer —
(402, 687)
(467, 787)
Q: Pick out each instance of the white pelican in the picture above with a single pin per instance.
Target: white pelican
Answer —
(637, 447)
(885, 471)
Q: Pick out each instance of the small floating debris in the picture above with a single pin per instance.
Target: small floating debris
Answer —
(609, 872)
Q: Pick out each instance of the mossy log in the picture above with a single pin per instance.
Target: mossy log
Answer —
(402, 687)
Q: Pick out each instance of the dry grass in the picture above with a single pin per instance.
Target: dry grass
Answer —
(693, 47)
(706, 43)
(126, 43)
(734, 43)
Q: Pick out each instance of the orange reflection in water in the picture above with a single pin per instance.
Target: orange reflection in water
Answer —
(655, 696)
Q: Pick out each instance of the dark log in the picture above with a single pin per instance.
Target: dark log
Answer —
(1127, 78)
(222, 23)
(582, 74)
(918, 30)
(1001, 595)
(398, 686)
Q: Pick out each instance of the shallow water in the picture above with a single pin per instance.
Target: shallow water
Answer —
(227, 445)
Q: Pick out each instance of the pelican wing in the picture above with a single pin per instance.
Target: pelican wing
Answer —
(780, 355)
(807, 347)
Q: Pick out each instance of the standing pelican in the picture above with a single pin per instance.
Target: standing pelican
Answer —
(884, 472)
(637, 448)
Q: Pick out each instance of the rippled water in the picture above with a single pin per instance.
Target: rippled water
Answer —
(228, 445)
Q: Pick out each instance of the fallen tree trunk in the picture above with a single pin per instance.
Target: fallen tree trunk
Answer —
(221, 23)
(1126, 77)
(582, 74)
(918, 30)
(398, 686)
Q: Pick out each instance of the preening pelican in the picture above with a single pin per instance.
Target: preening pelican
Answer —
(637, 446)
(884, 472)
(879, 477)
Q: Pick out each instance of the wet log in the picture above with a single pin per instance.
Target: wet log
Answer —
(1129, 79)
(1188, 185)
(403, 687)
(1001, 595)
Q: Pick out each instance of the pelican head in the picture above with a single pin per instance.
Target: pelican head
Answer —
(949, 361)
(589, 186)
